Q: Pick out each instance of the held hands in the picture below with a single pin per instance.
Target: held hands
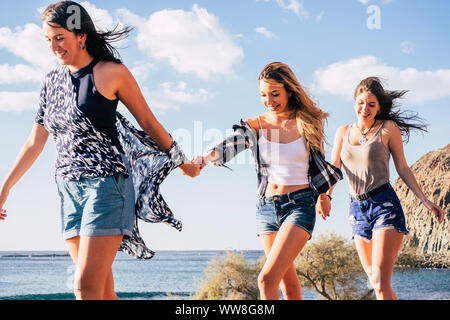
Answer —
(194, 167)
(323, 206)
(191, 169)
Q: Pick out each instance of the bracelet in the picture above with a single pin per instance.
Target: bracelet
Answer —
(328, 196)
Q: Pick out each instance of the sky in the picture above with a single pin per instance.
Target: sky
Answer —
(197, 64)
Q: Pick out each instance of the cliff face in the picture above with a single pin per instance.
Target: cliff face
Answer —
(427, 236)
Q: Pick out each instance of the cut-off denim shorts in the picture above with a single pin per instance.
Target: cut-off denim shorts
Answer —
(380, 211)
(296, 207)
(97, 206)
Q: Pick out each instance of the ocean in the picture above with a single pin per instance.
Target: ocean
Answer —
(44, 275)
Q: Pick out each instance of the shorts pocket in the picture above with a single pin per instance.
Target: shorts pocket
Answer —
(119, 181)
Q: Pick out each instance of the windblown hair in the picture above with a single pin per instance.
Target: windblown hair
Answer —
(389, 106)
(310, 119)
(61, 14)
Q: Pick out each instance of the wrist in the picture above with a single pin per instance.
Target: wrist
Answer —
(210, 156)
(324, 196)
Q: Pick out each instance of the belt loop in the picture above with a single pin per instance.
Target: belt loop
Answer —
(289, 196)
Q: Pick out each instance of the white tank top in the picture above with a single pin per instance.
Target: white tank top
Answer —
(287, 163)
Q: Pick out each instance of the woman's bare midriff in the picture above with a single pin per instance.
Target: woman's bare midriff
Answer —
(274, 189)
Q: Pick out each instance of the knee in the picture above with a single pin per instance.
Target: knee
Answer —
(266, 281)
(85, 289)
(380, 284)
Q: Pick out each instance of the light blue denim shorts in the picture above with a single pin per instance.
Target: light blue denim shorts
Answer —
(97, 206)
(296, 207)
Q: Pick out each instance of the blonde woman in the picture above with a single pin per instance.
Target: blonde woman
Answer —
(280, 140)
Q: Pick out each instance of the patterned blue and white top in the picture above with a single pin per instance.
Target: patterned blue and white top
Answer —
(82, 149)
(88, 150)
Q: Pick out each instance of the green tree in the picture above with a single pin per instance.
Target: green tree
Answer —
(330, 265)
(229, 278)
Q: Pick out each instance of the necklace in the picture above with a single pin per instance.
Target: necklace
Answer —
(363, 139)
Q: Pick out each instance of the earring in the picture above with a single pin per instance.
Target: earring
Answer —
(82, 46)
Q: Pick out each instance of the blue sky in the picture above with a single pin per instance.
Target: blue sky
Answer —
(197, 64)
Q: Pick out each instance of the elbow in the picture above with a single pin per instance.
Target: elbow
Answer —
(404, 172)
(35, 145)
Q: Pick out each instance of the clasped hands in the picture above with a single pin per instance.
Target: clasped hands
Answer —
(193, 167)
(323, 206)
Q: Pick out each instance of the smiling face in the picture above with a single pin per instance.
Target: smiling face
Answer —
(366, 106)
(273, 95)
(64, 44)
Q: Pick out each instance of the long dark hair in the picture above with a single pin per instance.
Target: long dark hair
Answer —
(389, 106)
(97, 44)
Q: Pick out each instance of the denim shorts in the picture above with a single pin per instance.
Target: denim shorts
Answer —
(296, 207)
(380, 211)
(97, 206)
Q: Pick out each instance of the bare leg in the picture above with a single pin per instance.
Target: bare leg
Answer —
(385, 248)
(94, 257)
(290, 284)
(109, 293)
(364, 249)
(286, 245)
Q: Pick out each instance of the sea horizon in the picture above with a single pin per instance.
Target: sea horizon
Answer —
(170, 274)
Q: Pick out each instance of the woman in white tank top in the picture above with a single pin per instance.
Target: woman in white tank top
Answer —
(377, 218)
(280, 140)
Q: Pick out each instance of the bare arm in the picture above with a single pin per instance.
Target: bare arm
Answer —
(130, 94)
(29, 153)
(323, 206)
(395, 145)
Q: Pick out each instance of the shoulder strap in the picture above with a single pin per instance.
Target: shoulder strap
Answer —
(259, 120)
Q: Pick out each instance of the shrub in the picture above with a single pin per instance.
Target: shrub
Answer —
(229, 278)
(330, 265)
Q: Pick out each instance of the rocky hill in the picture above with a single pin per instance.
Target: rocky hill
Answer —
(427, 237)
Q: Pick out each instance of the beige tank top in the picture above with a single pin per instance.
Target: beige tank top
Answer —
(367, 165)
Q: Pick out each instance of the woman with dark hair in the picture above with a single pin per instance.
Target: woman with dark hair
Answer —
(95, 165)
(280, 140)
(364, 149)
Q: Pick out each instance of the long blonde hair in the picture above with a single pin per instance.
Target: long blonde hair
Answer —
(310, 118)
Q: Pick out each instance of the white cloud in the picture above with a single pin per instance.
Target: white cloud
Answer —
(320, 16)
(102, 19)
(28, 43)
(294, 6)
(408, 47)
(383, 2)
(18, 101)
(342, 77)
(170, 95)
(265, 32)
(189, 41)
(20, 73)
(142, 70)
